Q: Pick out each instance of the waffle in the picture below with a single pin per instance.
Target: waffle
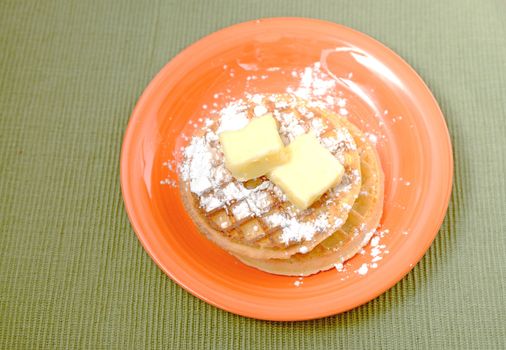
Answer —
(262, 232)
(352, 236)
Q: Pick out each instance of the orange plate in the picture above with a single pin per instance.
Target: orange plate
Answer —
(385, 96)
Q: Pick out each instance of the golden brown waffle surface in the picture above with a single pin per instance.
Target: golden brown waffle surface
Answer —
(254, 219)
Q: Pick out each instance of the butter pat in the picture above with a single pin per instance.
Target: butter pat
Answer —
(253, 150)
(310, 171)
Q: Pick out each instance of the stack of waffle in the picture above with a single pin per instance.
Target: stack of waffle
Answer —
(255, 222)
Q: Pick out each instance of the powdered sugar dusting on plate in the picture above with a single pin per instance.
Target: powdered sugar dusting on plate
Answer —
(373, 252)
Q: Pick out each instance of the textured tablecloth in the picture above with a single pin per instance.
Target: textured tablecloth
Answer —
(72, 272)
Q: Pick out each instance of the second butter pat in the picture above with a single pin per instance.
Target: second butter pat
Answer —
(253, 150)
(310, 171)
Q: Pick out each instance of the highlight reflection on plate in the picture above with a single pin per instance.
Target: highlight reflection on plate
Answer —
(382, 95)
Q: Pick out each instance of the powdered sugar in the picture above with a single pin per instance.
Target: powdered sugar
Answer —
(299, 282)
(317, 126)
(260, 110)
(203, 166)
(339, 267)
(291, 126)
(221, 175)
(275, 220)
(279, 193)
(233, 117)
(314, 83)
(241, 211)
(319, 88)
(362, 270)
(303, 250)
(330, 143)
(296, 231)
(234, 192)
(259, 202)
(210, 203)
(200, 162)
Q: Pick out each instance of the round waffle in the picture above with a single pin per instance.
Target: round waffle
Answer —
(362, 221)
(254, 219)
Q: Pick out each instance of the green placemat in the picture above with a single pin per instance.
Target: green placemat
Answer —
(72, 273)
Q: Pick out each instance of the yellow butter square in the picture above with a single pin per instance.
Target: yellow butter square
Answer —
(308, 173)
(253, 150)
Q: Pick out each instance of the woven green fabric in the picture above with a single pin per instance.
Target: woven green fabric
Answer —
(72, 272)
